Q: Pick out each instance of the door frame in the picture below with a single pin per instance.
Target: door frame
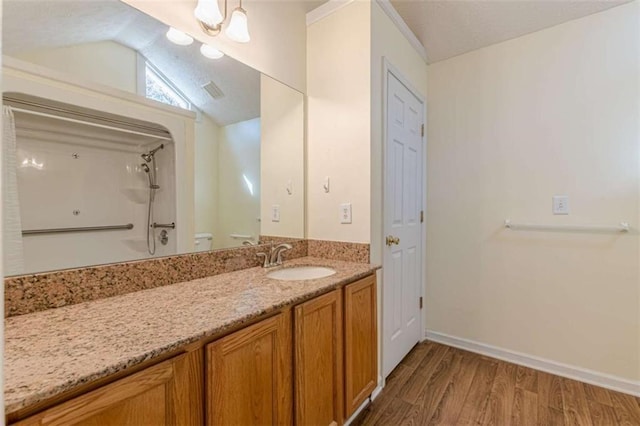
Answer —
(389, 68)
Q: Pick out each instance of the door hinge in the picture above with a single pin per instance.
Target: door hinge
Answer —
(422, 131)
(420, 302)
(421, 216)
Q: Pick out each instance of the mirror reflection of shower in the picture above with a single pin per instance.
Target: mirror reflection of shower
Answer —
(151, 172)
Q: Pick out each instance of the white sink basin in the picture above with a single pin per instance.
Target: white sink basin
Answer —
(298, 273)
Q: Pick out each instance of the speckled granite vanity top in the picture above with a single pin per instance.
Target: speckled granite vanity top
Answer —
(50, 352)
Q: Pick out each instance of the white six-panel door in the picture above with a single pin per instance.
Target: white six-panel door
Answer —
(402, 223)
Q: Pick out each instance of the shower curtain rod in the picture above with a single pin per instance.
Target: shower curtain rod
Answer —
(63, 110)
(88, 123)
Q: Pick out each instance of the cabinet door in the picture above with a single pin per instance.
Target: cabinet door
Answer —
(318, 361)
(249, 375)
(169, 393)
(361, 342)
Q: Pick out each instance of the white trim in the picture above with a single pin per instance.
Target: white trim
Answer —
(364, 404)
(608, 381)
(356, 413)
(325, 10)
(376, 392)
(395, 17)
(332, 6)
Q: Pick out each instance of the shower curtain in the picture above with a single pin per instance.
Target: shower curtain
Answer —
(12, 226)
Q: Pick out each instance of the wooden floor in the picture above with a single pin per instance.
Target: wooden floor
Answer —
(437, 384)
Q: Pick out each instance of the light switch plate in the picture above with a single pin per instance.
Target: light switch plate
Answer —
(275, 213)
(560, 204)
(345, 213)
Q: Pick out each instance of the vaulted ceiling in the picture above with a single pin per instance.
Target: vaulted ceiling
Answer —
(448, 28)
(47, 24)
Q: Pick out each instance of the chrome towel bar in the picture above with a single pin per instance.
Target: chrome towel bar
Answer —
(83, 229)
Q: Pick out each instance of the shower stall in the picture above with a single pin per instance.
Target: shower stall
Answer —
(93, 187)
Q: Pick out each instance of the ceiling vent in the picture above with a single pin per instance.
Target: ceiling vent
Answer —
(213, 90)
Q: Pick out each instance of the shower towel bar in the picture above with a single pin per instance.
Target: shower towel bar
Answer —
(240, 236)
(83, 229)
(622, 227)
(171, 225)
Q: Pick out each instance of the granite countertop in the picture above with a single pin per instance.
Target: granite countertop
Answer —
(51, 352)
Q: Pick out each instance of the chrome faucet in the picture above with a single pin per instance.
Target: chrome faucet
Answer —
(274, 257)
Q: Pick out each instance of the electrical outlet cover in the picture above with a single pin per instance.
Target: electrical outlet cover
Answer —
(345, 213)
(560, 204)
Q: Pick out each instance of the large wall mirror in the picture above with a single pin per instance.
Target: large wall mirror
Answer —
(120, 144)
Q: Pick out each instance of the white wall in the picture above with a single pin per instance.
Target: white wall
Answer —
(238, 204)
(277, 28)
(339, 123)
(511, 125)
(281, 158)
(206, 175)
(104, 62)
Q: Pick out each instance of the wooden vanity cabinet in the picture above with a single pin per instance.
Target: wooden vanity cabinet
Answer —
(169, 393)
(248, 375)
(360, 342)
(336, 353)
(319, 379)
(324, 358)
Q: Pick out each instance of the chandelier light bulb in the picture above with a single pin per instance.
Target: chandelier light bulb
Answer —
(238, 28)
(178, 37)
(208, 12)
(210, 52)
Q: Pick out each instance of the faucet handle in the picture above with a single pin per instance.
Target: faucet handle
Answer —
(265, 264)
(278, 251)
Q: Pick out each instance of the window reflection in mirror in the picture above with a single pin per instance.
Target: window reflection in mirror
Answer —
(126, 146)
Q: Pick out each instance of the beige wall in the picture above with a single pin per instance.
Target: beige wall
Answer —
(281, 158)
(206, 175)
(387, 42)
(277, 28)
(339, 123)
(104, 62)
(238, 208)
(511, 125)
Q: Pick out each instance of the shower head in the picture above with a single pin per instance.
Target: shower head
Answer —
(149, 155)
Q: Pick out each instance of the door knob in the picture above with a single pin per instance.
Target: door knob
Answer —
(391, 240)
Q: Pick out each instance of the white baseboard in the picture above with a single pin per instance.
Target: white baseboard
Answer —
(378, 389)
(366, 403)
(580, 374)
(357, 412)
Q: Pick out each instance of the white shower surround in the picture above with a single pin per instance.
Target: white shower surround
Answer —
(105, 184)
